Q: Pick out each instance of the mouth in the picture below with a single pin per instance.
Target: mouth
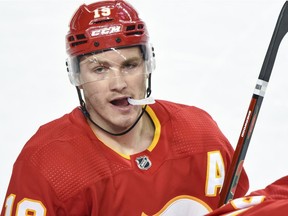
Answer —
(120, 102)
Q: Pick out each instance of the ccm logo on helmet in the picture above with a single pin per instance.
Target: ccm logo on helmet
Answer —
(106, 30)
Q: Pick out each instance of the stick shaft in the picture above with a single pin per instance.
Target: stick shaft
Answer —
(233, 174)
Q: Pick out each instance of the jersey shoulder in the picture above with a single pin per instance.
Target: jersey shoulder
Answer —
(61, 130)
(192, 128)
(167, 110)
(68, 155)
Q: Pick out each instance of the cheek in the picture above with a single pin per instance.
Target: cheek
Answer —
(93, 90)
(140, 82)
(144, 83)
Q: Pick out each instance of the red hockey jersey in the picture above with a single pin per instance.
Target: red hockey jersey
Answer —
(271, 201)
(65, 170)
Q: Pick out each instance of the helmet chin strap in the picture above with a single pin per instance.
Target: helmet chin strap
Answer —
(87, 115)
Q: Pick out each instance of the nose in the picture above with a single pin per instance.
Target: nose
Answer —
(117, 82)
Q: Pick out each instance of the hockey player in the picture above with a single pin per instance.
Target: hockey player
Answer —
(120, 152)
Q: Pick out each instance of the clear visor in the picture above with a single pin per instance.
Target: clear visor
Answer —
(108, 64)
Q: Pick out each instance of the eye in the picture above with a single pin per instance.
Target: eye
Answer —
(100, 69)
(131, 65)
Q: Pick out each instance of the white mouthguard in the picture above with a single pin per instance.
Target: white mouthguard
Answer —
(144, 101)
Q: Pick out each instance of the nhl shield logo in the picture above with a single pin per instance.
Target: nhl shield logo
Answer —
(143, 162)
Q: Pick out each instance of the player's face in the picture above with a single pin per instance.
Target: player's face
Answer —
(110, 78)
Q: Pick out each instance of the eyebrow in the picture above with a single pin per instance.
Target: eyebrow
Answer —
(106, 60)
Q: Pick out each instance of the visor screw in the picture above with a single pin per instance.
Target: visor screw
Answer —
(118, 40)
(67, 66)
(96, 44)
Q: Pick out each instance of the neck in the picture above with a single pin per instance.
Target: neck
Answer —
(135, 141)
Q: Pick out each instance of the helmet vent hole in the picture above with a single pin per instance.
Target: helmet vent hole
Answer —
(134, 33)
(101, 21)
(130, 28)
(140, 26)
(71, 38)
(80, 36)
(78, 43)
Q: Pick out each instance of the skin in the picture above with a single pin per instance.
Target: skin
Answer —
(106, 99)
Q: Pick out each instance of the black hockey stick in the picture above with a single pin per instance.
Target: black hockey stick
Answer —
(232, 177)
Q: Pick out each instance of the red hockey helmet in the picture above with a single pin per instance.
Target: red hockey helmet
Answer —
(102, 26)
